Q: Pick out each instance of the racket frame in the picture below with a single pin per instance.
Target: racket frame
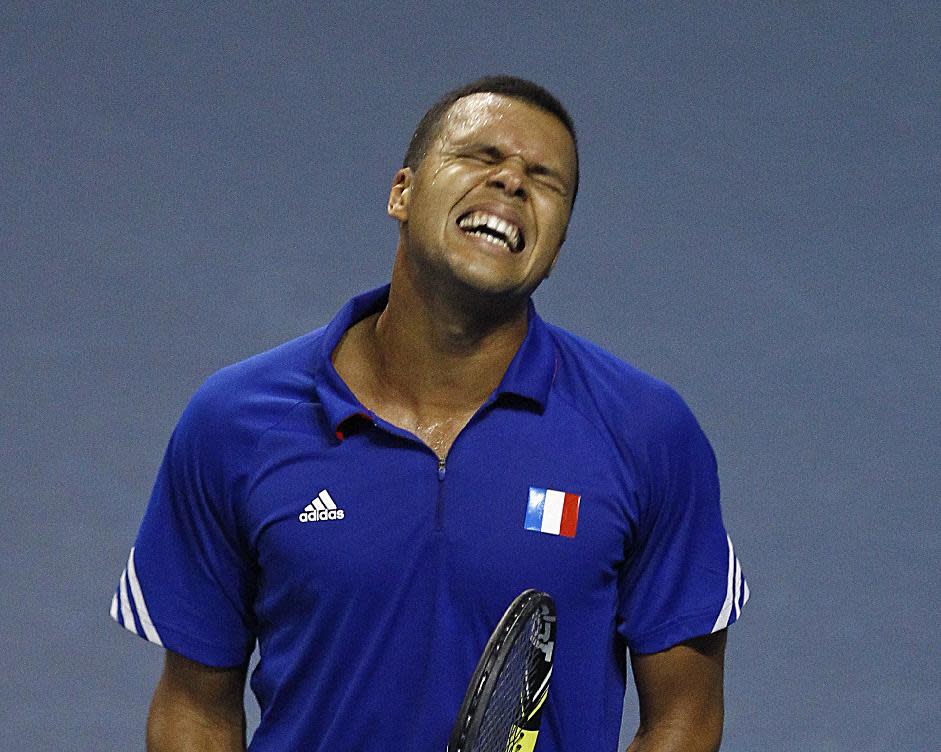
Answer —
(494, 656)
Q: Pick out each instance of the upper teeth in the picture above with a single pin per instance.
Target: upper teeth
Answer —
(484, 219)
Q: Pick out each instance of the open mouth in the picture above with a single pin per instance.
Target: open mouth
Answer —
(493, 229)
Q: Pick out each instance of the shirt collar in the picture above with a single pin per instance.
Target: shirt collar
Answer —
(339, 402)
(529, 375)
(532, 370)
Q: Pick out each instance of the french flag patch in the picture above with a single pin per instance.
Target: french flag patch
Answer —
(553, 512)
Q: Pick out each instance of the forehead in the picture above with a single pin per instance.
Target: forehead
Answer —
(513, 125)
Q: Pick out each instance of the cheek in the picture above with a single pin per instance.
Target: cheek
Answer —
(553, 218)
(451, 178)
(442, 190)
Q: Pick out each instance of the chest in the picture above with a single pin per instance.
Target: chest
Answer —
(379, 516)
(437, 432)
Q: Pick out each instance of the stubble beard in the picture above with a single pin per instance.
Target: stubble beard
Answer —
(437, 274)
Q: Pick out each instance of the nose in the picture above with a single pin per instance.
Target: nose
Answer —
(510, 178)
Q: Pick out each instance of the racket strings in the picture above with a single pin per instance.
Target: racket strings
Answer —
(516, 692)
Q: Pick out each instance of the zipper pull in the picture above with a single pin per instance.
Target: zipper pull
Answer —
(440, 468)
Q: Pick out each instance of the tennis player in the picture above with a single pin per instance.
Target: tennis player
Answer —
(363, 502)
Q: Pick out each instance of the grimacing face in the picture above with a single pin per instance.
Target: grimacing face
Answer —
(487, 208)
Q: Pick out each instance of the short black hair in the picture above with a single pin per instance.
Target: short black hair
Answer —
(510, 86)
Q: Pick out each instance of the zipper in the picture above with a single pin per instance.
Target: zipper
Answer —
(439, 504)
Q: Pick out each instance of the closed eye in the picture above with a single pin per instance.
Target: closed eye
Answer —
(544, 175)
(548, 178)
(490, 155)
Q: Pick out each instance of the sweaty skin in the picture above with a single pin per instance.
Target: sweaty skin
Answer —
(457, 306)
(502, 153)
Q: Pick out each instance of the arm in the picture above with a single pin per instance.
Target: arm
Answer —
(197, 708)
(679, 691)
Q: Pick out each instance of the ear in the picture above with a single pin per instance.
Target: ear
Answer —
(400, 194)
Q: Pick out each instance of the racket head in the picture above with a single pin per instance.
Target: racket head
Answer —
(502, 707)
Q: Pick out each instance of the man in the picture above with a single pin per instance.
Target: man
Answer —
(366, 500)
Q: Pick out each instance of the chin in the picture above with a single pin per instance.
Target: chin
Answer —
(492, 293)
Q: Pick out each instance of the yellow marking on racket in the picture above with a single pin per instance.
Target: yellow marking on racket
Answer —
(521, 740)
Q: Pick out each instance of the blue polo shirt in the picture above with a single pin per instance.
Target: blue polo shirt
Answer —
(371, 574)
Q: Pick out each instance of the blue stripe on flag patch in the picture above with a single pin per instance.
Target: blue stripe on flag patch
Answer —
(535, 508)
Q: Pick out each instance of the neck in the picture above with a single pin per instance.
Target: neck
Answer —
(437, 351)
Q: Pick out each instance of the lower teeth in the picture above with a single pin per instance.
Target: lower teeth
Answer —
(491, 238)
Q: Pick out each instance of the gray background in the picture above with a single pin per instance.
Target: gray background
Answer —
(758, 224)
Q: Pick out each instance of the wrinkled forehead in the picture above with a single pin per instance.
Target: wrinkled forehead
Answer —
(512, 124)
(478, 111)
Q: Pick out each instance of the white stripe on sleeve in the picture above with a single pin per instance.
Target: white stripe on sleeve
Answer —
(738, 588)
(150, 632)
(723, 619)
(114, 606)
(127, 617)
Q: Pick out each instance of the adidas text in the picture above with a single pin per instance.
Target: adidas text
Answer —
(326, 514)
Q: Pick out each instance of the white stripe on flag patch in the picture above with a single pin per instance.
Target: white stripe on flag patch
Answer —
(552, 514)
(150, 631)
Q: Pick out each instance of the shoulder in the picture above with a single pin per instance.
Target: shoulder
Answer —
(646, 423)
(613, 393)
(237, 403)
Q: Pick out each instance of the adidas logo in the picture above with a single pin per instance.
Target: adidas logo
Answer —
(321, 508)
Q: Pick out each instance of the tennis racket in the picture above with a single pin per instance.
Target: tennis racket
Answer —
(503, 704)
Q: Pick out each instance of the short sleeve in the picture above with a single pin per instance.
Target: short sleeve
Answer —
(188, 583)
(681, 578)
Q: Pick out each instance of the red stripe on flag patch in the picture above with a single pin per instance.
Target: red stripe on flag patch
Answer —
(569, 515)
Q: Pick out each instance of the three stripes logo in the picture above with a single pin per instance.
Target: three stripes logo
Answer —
(322, 507)
(736, 593)
(128, 607)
